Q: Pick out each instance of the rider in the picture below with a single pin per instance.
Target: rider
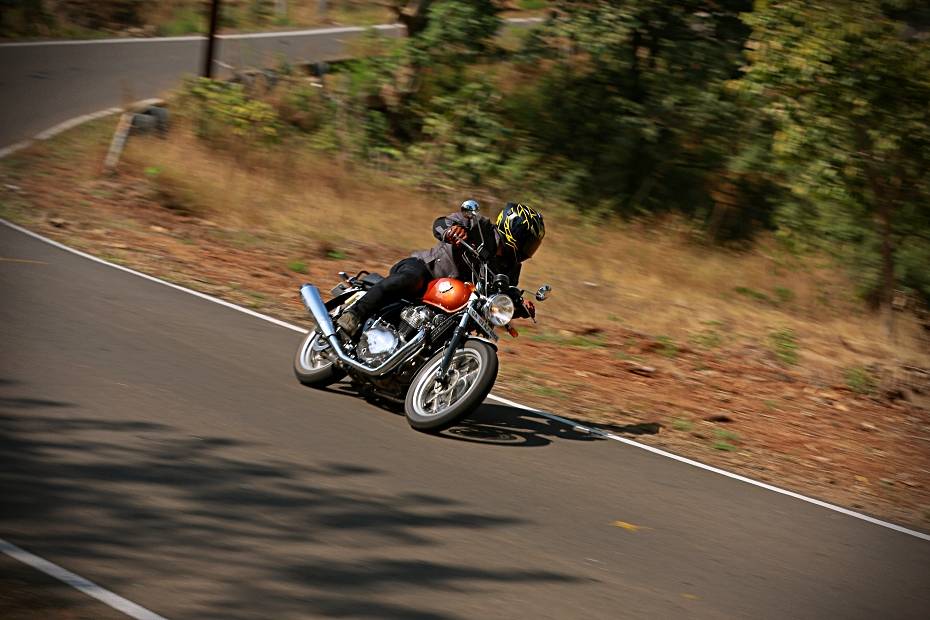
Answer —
(514, 238)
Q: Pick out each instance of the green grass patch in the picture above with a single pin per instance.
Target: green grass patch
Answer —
(784, 295)
(724, 435)
(784, 344)
(860, 380)
(297, 266)
(335, 254)
(753, 294)
(725, 440)
(667, 346)
(582, 342)
(707, 339)
(185, 20)
(547, 392)
(680, 424)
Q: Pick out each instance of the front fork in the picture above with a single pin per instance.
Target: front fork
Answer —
(442, 375)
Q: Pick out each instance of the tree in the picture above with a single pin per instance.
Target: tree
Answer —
(413, 14)
(417, 15)
(630, 92)
(847, 88)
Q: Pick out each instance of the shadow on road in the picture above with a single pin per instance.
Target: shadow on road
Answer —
(503, 425)
(233, 530)
(510, 426)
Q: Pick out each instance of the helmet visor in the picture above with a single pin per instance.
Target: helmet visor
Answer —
(529, 247)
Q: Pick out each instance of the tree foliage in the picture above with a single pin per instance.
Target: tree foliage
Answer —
(847, 88)
(807, 117)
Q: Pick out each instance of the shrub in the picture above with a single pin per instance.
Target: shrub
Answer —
(222, 112)
(303, 105)
(466, 134)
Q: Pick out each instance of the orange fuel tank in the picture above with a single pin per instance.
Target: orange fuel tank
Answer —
(448, 294)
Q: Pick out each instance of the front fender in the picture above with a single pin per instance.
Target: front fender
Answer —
(484, 340)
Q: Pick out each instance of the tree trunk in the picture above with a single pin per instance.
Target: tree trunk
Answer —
(886, 299)
(413, 15)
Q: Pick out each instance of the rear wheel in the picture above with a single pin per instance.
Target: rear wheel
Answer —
(312, 366)
(431, 406)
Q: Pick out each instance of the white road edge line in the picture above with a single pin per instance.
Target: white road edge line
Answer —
(178, 287)
(86, 586)
(551, 416)
(54, 130)
(198, 37)
(274, 34)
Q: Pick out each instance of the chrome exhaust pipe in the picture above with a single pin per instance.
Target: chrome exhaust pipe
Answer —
(314, 303)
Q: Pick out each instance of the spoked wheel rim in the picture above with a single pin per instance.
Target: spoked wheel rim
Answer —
(431, 399)
(311, 353)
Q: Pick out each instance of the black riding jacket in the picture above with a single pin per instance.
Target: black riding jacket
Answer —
(447, 261)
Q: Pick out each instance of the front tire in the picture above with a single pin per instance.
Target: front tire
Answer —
(430, 407)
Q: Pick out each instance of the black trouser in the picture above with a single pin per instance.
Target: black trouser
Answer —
(408, 279)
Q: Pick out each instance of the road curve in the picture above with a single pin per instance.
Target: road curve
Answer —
(45, 83)
(158, 445)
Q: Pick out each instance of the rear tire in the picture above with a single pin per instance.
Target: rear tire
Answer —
(478, 360)
(311, 367)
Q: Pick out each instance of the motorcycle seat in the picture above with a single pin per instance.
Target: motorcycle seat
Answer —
(370, 279)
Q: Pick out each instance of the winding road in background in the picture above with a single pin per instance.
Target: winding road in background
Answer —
(157, 444)
(45, 83)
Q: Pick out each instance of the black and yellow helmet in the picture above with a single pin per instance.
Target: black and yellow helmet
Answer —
(522, 228)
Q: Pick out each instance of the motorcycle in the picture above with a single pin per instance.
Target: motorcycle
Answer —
(437, 355)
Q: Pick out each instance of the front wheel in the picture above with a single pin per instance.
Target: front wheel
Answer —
(430, 406)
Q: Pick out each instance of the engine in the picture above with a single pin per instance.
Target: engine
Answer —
(413, 319)
(382, 339)
(377, 343)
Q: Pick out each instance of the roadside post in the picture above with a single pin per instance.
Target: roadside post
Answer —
(211, 39)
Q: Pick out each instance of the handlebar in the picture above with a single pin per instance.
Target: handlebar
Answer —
(470, 248)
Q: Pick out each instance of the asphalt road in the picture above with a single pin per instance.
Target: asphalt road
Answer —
(158, 444)
(47, 83)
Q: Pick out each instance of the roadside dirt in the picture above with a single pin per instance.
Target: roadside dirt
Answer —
(733, 406)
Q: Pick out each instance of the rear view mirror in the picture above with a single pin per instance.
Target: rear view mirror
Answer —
(543, 293)
(470, 208)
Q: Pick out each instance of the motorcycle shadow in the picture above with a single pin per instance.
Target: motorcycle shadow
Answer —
(503, 425)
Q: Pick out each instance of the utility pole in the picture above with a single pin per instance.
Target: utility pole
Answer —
(211, 38)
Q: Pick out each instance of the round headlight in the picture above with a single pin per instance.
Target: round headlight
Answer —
(500, 310)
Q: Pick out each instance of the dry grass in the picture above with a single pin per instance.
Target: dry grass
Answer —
(653, 278)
